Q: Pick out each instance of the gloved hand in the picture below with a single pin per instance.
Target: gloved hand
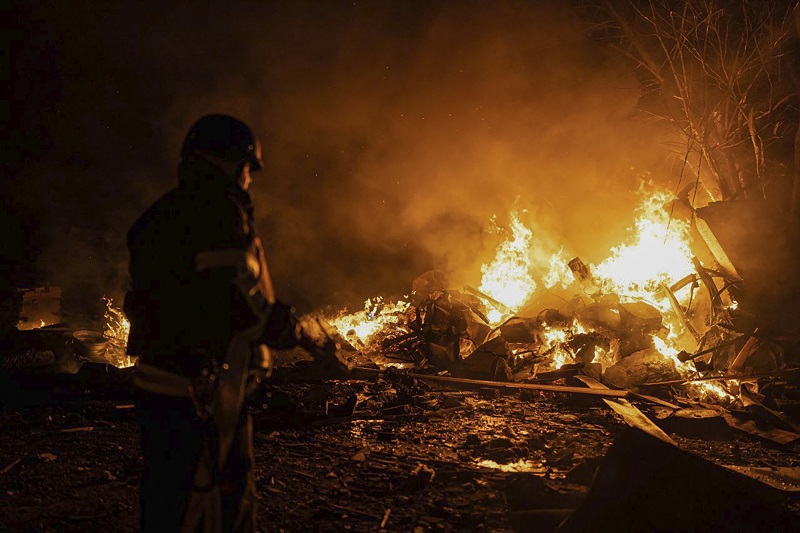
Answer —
(329, 359)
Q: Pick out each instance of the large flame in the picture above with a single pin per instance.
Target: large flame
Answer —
(658, 253)
(507, 278)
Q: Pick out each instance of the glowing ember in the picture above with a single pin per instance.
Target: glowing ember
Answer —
(361, 327)
(116, 329)
(659, 253)
(507, 278)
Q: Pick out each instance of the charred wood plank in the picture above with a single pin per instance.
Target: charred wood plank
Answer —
(629, 412)
(477, 383)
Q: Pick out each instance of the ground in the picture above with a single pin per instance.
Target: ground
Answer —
(333, 456)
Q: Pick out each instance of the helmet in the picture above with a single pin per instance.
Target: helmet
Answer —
(223, 137)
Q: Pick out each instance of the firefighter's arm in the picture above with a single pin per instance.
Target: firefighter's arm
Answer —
(284, 331)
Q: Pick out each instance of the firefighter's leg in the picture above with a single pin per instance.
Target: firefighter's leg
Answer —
(171, 440)
(237, 483)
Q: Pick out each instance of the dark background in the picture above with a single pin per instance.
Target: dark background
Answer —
(392, 132)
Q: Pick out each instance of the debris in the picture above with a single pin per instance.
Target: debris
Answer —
(684, 356)
(360, 455)
(751, 400)
(521, 330)
(583, 472)
(40, 307)
(489, 361)
(477, 383)
(427, 284)
(582, 273)
(78, 429)
(786, 479)
(47, 457)
(536, 505)
(679, 312)
(488, 393)
(640, 367)
(91, 345)
(28, 360)
(385, 518)
(645, 484)
(632, 416)
(11, 465)
(698, 423)
(747, 350)
(752, 377)
(419, 477)
(762, 430)
(350, 510)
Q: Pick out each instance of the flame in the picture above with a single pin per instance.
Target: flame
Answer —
(658, 253)
(507, 278)
(559, 273)
(116, 329)
(360, 328)
(703, 389)
(555, 338)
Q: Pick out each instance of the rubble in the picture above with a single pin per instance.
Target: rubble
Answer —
(645, 484)
(452, 387)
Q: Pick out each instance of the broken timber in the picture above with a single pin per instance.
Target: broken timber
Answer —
(478, 383)
(632, 416)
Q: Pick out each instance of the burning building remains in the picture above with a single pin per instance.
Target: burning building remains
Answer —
(651, 316)
(675, 331)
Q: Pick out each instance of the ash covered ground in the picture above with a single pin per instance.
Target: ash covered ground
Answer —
(388, 454)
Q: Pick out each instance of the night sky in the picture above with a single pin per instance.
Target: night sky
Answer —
(392, 132)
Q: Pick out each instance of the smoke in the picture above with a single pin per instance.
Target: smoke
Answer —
(392, 131)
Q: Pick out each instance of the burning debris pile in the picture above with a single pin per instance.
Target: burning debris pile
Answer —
(651, 318)
(36, 338)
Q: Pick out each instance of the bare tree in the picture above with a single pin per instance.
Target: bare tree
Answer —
(720, 72)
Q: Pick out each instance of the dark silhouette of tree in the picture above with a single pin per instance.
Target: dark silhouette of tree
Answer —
(726, 74)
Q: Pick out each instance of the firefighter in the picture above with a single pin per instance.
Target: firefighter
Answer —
(203, 317)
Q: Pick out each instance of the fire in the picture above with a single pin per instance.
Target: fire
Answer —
(507, 278)
(656, 254)
(361, 327)
(559, 272)
(555, 340)
(659, 253)
(116, 330)
(702, 389)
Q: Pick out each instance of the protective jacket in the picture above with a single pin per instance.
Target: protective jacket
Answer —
(201, 297)
(184, 313)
